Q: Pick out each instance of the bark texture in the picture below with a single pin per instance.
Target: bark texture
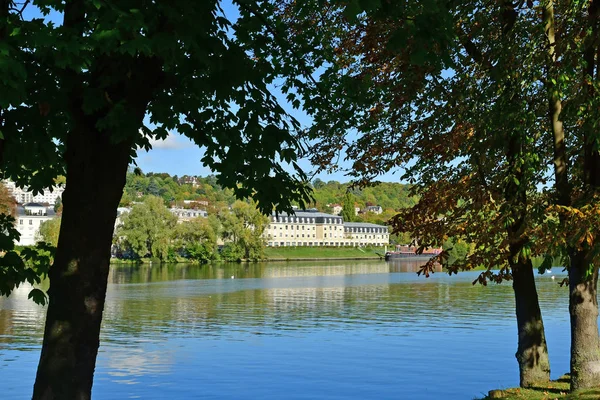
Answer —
(96, 171)
(583, 309)
(532, 351)
(583, 270)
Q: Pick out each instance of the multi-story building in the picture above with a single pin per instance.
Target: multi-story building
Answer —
(24, 196)
(29, 218)
(312, 228)
(374, 209)
(184, 214)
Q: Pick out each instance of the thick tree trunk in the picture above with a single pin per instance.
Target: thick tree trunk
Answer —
(583, 308)
(583, 272)
(96, 170)
(532, 352)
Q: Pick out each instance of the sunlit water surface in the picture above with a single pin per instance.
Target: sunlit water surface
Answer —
(337, 330)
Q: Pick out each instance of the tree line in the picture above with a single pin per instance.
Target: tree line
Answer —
(150, 230)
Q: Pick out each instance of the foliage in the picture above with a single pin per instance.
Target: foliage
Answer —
(49, 231)
(348, 208)
(58, 206)
(243, 227)
(8, 204)
(146, 230)
(196, 239)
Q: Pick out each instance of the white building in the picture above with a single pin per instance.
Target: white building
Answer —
(337, 209)
(24, 196)
(374, 209)
(312, 228)
(29, 218)
(184, 214)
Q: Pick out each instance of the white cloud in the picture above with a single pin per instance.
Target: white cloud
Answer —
(172, 142)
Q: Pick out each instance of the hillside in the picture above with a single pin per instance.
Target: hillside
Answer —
(206, 191)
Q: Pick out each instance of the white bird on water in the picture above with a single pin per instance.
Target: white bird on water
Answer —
(232, 277)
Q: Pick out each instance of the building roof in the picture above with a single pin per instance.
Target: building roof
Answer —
(307, 213)
(34, 205)
(362, 225)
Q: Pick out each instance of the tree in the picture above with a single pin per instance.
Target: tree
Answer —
(348, 208)
(448, 91)
(243, 227)
(197, 238)
(147, 228)
(58, 205)
(8, 204)
(81, 99)
(49, 231)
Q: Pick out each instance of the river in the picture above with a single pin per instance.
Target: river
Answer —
(328, 330)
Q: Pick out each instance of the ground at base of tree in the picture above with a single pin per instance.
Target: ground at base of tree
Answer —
(558, 389)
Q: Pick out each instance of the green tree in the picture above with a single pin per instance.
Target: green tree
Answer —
(452, 99)
(197, 239)
(348, 208)
(78, 104)
(49, 231)
(243, 227)
(58, 205)
(148, 228)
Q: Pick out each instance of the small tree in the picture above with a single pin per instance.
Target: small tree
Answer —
(148, 228)
(243, 227)
(49, 231)
(348, 208)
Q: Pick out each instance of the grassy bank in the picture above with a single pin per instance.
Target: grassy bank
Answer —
(558, 389)
(293, 253)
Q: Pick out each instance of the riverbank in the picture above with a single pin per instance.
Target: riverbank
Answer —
(289, 254)
(558, 389)
(323, 253)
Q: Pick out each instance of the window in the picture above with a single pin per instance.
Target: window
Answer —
(30, 222)
(20, 222)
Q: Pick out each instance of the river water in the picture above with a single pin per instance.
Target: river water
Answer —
(331, 330)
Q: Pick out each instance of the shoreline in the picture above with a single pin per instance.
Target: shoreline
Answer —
(277, 259)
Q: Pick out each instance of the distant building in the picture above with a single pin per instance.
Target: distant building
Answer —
(184, 214)
(374, 209)
(24, 196)
(337, 209)
(356, 210)
(312, 228)
(29, 218)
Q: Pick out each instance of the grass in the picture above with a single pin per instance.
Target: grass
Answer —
(558, 389)
(284, 253)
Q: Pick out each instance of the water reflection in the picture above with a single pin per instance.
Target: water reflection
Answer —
(350, 329)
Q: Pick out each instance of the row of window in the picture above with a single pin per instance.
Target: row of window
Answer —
(336, 236)
(335, 228)
(306, 220)
(279, 244)
(21, 222)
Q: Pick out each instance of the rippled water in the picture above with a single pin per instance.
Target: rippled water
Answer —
(337, 330)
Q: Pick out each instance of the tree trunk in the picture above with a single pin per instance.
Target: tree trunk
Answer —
(583, 272)
(96, 170)
(532, 352)
(583, 309)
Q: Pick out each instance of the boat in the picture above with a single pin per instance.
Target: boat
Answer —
(410, 252)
